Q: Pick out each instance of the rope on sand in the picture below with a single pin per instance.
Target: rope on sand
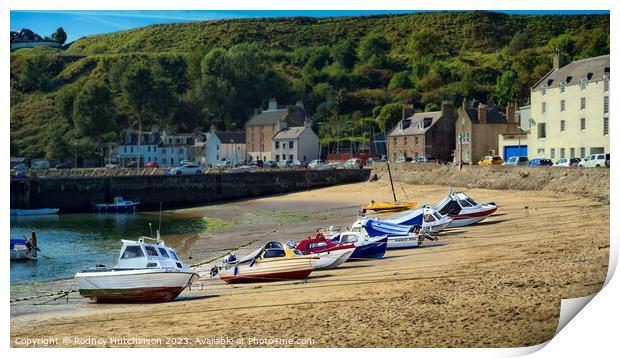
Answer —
(59, 294)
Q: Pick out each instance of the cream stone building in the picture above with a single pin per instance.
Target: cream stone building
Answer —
(570, 110)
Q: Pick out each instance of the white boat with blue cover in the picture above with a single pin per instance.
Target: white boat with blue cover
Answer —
(428, 218)
(398, 236)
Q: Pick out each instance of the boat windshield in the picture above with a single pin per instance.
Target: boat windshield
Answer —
(348, 238)
(132, 252)
(429, 218)
(150, 250)
(173, 255)
(274, 253)
(313, 245)
(163, 252)
(437, 216)
(464, 204)
(473, 203)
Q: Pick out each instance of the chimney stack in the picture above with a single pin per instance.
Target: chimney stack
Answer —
(559, 60)
(482, 113)
(273, 104)
(510, 112)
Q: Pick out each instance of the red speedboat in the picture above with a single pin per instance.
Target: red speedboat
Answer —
(330, 254)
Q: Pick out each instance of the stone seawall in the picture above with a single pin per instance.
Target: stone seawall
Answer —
(589, 182)
(78, 194)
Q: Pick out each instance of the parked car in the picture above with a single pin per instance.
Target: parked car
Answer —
(270, 164)
(285, 163)
(353, 163)
(373, 160)
(316, 163)
(63, 165)
(567, 162)
(21, 167)
(423, 159)
(132, 164)
(540, 162)
(491, 160)
(403, 159)
(299, 164)
(112, 165)
(595, 160)
(40, 164)
(517, 161)
(187, 169)
(257, 163)
(151, 165)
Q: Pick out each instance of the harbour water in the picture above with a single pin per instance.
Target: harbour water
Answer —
(71, 242)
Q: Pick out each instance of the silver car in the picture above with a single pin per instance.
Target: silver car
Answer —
(187, 169)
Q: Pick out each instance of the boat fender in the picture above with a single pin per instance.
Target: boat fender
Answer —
(235, 270)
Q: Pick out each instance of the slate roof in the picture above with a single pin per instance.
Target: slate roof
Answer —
(411, 125)
(274, 116)
(231, 137)
(494, 115)
(289, 133)
(591, 68)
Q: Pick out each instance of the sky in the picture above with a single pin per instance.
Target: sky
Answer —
(80, 23)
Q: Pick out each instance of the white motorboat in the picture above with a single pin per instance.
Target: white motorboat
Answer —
(366, 247)
(330, 255)
(398, 236)
(147, 270)
(463, 210)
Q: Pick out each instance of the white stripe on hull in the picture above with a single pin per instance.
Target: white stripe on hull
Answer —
(402, 242)
(129, 280)
(271, 267)
(467, 221)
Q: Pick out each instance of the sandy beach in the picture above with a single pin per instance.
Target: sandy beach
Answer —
(495, 284)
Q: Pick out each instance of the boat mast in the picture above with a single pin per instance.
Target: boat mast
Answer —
(391, 182)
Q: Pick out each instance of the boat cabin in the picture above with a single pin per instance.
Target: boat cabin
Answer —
(141, 254)
(455, 203)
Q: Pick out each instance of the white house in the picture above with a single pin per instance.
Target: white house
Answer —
(295, 143)
(139, 146)
(175, 148)
(229, 146)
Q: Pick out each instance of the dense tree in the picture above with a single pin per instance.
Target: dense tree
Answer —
(425, 43)
(60, 35)
(504, 87)
(400, 80)
(389, 115)
(563, 43)
(519, 41)
(373, 49)
(93, 113)
(344, 54)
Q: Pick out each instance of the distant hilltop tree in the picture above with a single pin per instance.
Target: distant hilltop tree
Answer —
(59, 36)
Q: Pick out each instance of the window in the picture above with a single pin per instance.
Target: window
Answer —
(582, 152)
(163, 252)
(562, 125)
(180, 150)
(283, 145)
(562, 152)
(605, 126)
(394, 140)
(429, 218)
(417, 140)
(148, 148)
(290, 144)
(274, 253)
(584, 83)
(562, 105)
(405, 140)
(150, 250)
(464, 204)
(562, 87)
(542, 130)
(582, 124)
(544, 90)
(173, 255)
(290, 157)
(163, 151)
(572, 152)
(132, 252)
(606, 79)
(131, 149)
(277, 145)
(583, 103)
(277, 157)
(606, 104)
(125, 149)
(552, 153)
(541, 150)
(544, 107)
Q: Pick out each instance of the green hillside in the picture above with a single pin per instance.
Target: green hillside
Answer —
(353, 73)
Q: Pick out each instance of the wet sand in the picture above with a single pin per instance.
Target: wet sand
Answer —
(494, 284)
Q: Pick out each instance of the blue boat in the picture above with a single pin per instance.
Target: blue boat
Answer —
(427, 218)
(376, 228)
(366, 247)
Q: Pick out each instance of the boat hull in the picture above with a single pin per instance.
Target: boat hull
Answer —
(271, 270)
(373, 250)
(333, 259)
(470, 218)
(31, 212)
(134, 285)
(17, 255)
(402, 242)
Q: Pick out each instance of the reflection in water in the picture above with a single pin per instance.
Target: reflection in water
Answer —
(71, 242)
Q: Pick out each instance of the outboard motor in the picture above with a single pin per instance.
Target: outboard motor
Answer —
(230, 258)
